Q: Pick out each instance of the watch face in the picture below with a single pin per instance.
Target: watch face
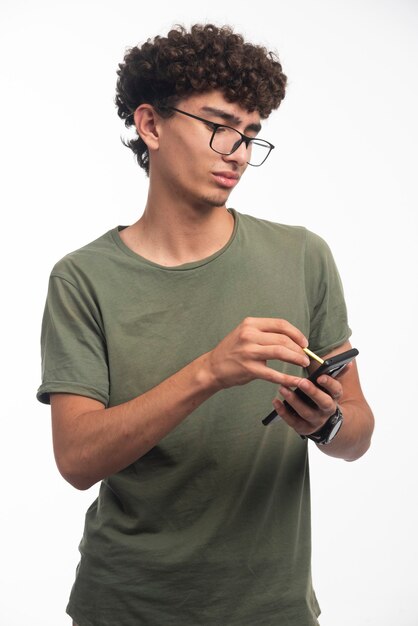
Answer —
(334, 430)
(327, 433)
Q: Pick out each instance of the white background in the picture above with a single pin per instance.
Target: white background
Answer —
(345, 166)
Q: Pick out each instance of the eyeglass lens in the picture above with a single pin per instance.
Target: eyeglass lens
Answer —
(226, 140)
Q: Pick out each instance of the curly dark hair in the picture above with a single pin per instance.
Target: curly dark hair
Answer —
(166, 69)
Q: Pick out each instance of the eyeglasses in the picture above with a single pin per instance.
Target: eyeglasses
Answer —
(226, 140)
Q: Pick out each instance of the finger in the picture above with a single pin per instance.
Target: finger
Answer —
(264, 372)
(329, 385)
(281, 353)
(275, 346)
(323, 400)
(295, 421)
(311, 414)
(265, 338)
(276, 325)
(332, 386)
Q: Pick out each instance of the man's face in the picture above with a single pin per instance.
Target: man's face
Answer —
(184, 161)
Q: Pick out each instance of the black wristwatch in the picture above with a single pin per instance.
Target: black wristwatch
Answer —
(329, 430)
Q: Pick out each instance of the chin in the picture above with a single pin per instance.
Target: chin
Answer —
(215, 200)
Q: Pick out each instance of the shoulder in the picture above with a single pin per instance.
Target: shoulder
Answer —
(87, 260)
(284, 233)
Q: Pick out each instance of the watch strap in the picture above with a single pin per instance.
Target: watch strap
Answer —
(329, 430)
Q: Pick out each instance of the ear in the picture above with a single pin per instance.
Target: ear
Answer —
(146, 123)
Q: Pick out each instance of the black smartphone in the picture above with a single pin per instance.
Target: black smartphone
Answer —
(332, 367)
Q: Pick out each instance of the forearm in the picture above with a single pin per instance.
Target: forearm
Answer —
(354, 436)
(92, 442)
(103, 441)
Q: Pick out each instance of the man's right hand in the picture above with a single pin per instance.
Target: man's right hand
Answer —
(243, 354)
(92, 442)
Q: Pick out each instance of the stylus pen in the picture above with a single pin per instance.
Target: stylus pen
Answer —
(271, 416)
(313, 355)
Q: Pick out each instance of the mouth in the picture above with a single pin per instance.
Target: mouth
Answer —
(226, 179)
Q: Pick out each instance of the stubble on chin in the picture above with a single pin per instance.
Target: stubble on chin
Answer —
(215, 200)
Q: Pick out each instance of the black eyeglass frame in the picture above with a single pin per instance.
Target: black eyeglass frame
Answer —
(244, 138)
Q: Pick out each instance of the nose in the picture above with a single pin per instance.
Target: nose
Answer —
(239, 156)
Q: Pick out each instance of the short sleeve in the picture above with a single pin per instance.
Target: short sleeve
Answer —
(73, 346)
(328, 312)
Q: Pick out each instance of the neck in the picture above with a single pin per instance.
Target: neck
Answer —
(172, 233)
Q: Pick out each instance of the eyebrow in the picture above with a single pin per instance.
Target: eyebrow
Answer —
(230, 118)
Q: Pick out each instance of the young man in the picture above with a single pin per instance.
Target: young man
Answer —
(163, 346)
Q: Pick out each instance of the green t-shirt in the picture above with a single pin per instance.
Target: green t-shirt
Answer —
(212, 526)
